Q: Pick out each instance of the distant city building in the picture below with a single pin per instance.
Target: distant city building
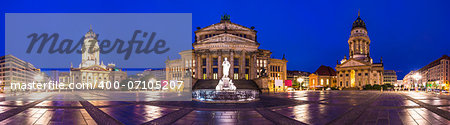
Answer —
(277, 69)
(15, 70)
(180, 69)
(158, 74)
(436, 72)
(297, 75)
(236, 43)
(116, 74)
(359, 69)
(90, 69)
(389, 77)
(409, 80)
(54, 75)
(323, 77)
(64, 77)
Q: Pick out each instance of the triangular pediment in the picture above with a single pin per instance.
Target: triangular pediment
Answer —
(225, 26)
(353, 63)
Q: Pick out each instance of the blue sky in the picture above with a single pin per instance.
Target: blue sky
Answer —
(408, 34)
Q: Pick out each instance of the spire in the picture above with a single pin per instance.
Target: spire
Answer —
(359, 22)
(90, 34)
(359, 13)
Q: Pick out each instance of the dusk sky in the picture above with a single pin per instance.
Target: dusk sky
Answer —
(408, 34)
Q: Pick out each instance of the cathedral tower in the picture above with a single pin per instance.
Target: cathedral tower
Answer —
(359, 42)
(90, 49)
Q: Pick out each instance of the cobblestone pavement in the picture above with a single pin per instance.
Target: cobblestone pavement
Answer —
(305, 107)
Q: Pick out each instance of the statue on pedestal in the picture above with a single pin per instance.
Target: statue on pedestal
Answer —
(225, 83)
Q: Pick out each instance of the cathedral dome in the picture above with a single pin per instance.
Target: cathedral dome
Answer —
(359, 23)
(90, 33)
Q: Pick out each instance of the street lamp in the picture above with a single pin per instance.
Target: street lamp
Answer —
(417, 76)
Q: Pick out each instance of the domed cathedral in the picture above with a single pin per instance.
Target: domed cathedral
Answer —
(358, 69)
(91, 69)
(235, 43)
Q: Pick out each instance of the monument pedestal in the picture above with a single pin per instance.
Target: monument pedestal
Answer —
(225, 84)
(226, 91)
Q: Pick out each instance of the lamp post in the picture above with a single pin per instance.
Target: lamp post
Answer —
(417, 76)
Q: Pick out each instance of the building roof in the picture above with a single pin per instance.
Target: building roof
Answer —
(64, 73)
(434, 63)
(298, 73)
(325, 71)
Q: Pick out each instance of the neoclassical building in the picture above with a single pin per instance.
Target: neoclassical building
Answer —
(90, 69)
(238, 44)
(359, 69)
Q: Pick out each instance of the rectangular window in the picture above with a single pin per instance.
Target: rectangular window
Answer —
(215, 61)
(204, 62)
(247, 61)
(265, 63)
(236, 61)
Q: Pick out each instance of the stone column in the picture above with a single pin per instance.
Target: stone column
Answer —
(242, 66)
(199, 66)
(208, 66)
(219, 65)
(231, 73)
(252, 72)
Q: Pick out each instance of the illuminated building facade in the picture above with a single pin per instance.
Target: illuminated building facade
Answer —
(15, 70)
(238, 44)
(437, 73)
(323, 77)
(389, 77)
